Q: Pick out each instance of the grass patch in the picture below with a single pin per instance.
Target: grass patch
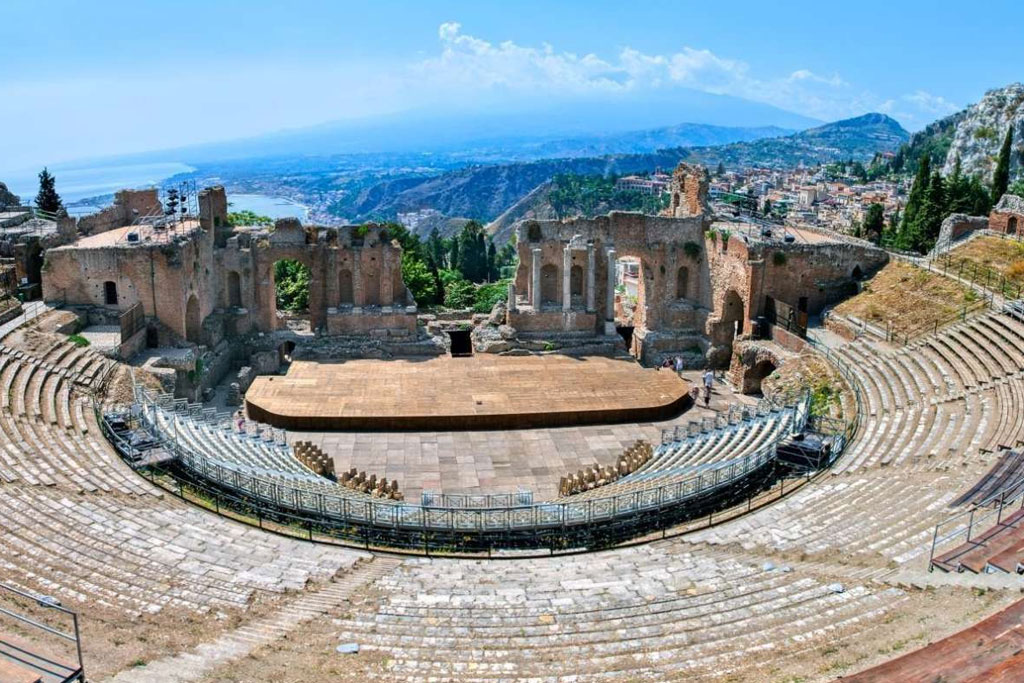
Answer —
(908, 298)
(78, 340)
(988, 260)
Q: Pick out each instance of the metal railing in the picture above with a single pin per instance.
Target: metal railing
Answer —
(349, 515)
(56, 670)
(962, 527)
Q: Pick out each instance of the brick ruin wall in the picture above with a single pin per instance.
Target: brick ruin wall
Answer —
(202, 292)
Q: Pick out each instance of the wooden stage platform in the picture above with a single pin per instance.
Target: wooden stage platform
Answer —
(478, 392)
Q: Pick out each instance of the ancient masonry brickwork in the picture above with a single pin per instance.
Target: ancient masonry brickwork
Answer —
(699, 282)
(1008, 216)
(204, 280)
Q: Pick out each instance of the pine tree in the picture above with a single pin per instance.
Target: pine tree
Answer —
(721, 169)
(1001, 176)
(48, 199)
(453, 253)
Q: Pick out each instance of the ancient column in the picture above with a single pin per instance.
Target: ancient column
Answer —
(535, 281)
(591, 275)
(609, 314)
(511, 297)
(567, 278)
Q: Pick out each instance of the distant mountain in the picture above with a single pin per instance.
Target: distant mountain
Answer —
(629, 142)
(857, 138)
(486, 191)
(508, 129)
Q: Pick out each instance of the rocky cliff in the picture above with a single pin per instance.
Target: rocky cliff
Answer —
(980, 131)
(7, 198)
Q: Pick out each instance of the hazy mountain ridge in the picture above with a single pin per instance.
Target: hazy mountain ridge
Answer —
(485, 192)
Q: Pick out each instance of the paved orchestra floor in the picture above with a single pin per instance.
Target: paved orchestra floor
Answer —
(478, 392)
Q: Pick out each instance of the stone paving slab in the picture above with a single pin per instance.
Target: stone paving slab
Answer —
(496, 461)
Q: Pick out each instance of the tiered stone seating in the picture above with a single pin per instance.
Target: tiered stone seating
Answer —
(945, 397)
(664, 610)
(51, 438)
(80, 525)
(143, 555)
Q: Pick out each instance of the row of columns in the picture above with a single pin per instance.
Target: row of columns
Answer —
(591, 284)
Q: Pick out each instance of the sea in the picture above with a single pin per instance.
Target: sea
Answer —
(99, 183)
(81, 182)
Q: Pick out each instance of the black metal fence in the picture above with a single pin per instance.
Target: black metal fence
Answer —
(558, 524)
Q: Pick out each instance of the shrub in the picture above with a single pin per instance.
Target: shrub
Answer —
(459, 294)
(488, 295)
(779, 258)
(78, 340)
(1016, 271)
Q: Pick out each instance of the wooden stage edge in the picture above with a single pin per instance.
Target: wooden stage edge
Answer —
(466, 394)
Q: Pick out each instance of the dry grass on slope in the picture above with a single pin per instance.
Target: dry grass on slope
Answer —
(908, 298)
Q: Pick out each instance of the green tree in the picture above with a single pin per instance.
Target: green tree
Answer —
(720, 171)
(291, 281)
(47, 199)
(436, 249)
(420, 280)
(874, 223)
(459, 294)
(1001, 176)
(932, 213)
(1017, 188)
(918, 191)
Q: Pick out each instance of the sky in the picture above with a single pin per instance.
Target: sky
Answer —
(116, 77)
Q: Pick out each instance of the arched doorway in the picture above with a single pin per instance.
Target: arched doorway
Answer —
(682, 282)
(857, 273)
(234, 289)
(549, 289)
(285, 352)
(576, 281)
(732, 315)
(193, 324)
(346, 293)
(753, 377)
(1011, 226)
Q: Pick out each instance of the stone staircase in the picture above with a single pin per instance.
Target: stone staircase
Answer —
(199, 663)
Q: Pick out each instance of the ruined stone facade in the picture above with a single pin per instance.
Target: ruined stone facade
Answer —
(128, 206)
(1008, 216)
(204, 280)
(699, 283)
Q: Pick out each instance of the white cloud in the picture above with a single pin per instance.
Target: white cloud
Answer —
(467, 61)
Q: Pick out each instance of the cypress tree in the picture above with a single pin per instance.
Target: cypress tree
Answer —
(48, 199)
(931, 215)
(1001, 176)
(914, 202)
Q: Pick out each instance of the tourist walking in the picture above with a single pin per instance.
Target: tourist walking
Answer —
(709, 381)
(679, 366)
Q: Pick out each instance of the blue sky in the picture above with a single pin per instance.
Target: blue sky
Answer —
(88, 79)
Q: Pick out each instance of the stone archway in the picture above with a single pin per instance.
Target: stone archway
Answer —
(682, 282)
(193, 322)
(732, 317)
(234, 289)
(346, 292)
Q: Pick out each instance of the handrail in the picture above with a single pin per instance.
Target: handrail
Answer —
(978, 515)
(49, 603)
(360, 509)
